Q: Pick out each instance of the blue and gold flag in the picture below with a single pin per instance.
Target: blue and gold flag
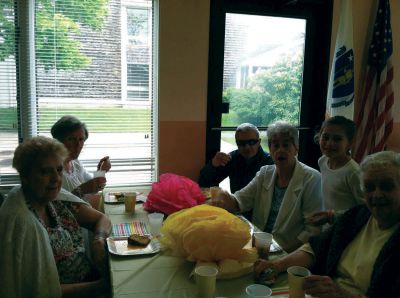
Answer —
(340, 99)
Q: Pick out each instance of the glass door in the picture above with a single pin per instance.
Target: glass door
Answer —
(268, 62)
(263, 71)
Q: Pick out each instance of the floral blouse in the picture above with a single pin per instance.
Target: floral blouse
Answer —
(67, 242)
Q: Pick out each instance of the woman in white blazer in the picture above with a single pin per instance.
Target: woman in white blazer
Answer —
(281, 195)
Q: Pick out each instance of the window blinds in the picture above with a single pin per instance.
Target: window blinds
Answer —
(96, 61)
(8, 91)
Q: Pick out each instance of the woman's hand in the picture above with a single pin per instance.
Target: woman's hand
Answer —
(324, 287)
(93, 185)
(225, 201)
(317, 218)
(104, 164)
(99, 255)
(100, 225)
(266, 270)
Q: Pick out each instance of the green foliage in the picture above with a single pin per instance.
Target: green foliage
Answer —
(54, 48)
(7, 30)
(92, 12)
(113, 119)
(57, 26)
(8, 118)
(271, 95)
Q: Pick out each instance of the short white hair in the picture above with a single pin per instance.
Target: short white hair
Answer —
(279, 128)
(246, 127)
(381, 160)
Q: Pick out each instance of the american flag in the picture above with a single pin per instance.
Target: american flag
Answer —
(374, 120)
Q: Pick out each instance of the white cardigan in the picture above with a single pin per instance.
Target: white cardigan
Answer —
(302, 197)
(27, 265)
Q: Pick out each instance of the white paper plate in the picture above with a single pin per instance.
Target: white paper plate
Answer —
(119, 246)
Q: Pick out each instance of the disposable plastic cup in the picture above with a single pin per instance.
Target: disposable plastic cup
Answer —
(155, 220)
(130, 201)
(262, 241)
(205, 277)
(259, 291)
(296, 276)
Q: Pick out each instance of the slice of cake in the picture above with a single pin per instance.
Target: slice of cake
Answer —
(138, 240)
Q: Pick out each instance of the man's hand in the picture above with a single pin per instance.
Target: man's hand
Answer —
(220, 159)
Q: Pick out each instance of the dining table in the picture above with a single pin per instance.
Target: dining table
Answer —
(159, 273)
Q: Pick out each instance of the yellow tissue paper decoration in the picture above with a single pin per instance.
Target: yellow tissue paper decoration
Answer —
(207, 233)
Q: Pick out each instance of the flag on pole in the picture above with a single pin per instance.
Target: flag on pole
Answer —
(374, 121)
(340, 98)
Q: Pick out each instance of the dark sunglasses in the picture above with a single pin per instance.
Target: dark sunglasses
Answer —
(250, 142)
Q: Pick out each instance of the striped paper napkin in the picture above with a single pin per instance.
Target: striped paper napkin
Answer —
(127, 229)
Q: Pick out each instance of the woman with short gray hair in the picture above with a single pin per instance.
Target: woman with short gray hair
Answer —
(281, 195)
(283, 128)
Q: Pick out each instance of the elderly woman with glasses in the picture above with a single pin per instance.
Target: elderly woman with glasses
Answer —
(73, 133)
(42, 251)
(359, 255)
(281, 195)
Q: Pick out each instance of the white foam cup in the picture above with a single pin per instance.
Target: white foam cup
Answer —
(259, 291)
(262, 241)
(155, 220)
(205, 277)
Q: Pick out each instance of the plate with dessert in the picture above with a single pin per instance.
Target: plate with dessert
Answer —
(135, 244)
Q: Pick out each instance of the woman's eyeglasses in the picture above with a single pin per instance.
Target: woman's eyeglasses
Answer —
(250, 142)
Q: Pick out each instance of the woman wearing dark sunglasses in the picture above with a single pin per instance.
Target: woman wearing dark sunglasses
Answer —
(240, 165)
(281, 195)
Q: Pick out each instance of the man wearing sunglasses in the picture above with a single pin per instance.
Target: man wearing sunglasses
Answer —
(240, 165)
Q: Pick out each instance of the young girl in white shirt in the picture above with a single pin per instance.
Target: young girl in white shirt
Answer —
(341, 186)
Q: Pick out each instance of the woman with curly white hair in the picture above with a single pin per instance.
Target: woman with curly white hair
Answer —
(42, 252)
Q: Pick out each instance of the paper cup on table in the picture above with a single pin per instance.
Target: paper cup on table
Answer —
(296, 275)
(257, 290)
(130, 201)
(155, 220)
(262, 241)
(205, 277)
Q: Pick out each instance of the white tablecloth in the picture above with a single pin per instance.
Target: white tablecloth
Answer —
(159, 275)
